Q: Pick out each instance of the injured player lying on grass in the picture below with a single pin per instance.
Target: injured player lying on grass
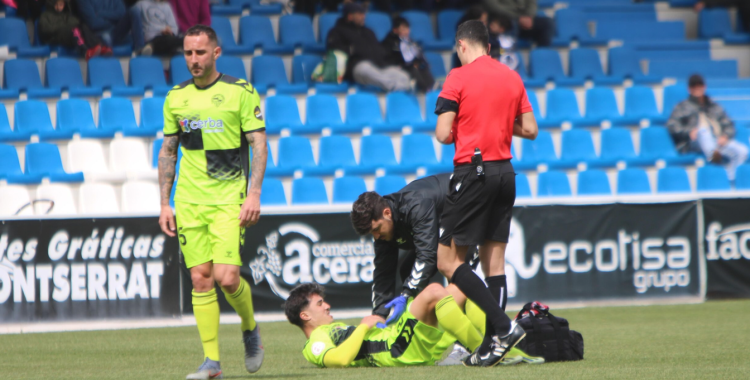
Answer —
(433, 330)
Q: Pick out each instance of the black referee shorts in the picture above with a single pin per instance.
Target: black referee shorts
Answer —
(479, 208)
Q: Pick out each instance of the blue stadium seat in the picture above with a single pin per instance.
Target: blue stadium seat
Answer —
(272, 193)
(633, 181)
(303, 66)
(326, 22)
(228, 43)
(741, 180)
(417, 151)
(65, 74)
(437, 66)
(148, 72)
(268, 71)
(518, 165)
(6, 132)
(447, 23)
(155, 149)
(256, 7)
(639, 31)
(389, 184)
(402, 109)
(376, 152)
(577, 147)
(422, 31)
(32, 116)
(257, 32)
(531, 95)
(323, 112)
(336, 152)
(296, 30)
(572, 25)
(673, 95)
(74, 115)
(623, 63)
(232, 66)
(540, 150)
(363, 110)
(348, 188)
(546, 65)
(656, 143)
(523, 189)
(379, 22)
(282, 113)
(271, 169)
(226, 9)
(553, 184)
(13, 34)
(562, 106)
(10, 167)
(309, 190)
(713, 178)
(430, 101)
(716, 23)
(585, 64)
(593, 182)
(737, 109)
(296, 153)
(152, 114)
(44, 159)
(640, 104)
(116, 114)
(617, 145)
(682, 69)
(107, 74)
(178, 70)
(22, 75)
(601, 105)
(672, 179)
(742, 134)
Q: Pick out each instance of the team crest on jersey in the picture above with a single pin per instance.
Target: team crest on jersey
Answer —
(258, 114)
(317, 348)
(217, 100)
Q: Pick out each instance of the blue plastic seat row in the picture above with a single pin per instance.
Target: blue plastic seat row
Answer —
(634, 181)
(75, 116)
(311, 190)
(716, 23)
(42, 160)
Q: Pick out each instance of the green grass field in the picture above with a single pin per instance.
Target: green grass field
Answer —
(704, 341)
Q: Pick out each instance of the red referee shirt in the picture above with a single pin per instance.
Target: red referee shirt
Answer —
(490, 96)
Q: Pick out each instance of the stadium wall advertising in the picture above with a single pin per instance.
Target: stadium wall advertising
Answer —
(727, 247)
(67, 269)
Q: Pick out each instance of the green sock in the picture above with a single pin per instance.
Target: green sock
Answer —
(455, 322)
(476, 316)
(242, 302)
(206, 310)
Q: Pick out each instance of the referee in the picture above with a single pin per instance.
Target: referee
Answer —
(483, 104)
(213, 118)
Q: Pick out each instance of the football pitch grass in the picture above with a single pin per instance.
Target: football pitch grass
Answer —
(697, 341)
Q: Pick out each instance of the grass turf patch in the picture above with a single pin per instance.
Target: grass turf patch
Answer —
(699, 341)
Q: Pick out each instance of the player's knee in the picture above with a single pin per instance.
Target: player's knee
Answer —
(447, 268)
(436, 291)
(229, 283)
(201, 282)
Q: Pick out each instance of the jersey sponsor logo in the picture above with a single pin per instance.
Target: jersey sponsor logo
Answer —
(306, 258)
(258, 114)
(207, 126)
(217, 99)
(317, 348)
(730, 243)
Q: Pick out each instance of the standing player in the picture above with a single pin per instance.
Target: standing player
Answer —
(214, 118)
(482, 105)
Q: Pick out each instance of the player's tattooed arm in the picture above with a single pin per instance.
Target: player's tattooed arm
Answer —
(257, 142)
(167, 166)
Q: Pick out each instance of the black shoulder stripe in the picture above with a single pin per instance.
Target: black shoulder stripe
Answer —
(238, 82)
(181, 86)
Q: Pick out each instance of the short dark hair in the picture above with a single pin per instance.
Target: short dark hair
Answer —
(474, 31)
(368, 207)
(197, 30)
(299, 299)
(695, 81)
(398, 21)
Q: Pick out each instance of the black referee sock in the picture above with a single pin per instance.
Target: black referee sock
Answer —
(475, 289)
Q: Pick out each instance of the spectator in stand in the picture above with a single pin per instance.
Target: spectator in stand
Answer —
(107, 18)
(539, 29)
(700, 125)
(191, 12)
(743, 8)
(58, 26)
(159, 27)
(407, 54)
(367, 62)
(29, 10)
(502, 41)
(309, 7)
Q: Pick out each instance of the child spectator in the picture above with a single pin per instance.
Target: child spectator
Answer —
(58, 26)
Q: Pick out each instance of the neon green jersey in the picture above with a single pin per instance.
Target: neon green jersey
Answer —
(211, 123)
